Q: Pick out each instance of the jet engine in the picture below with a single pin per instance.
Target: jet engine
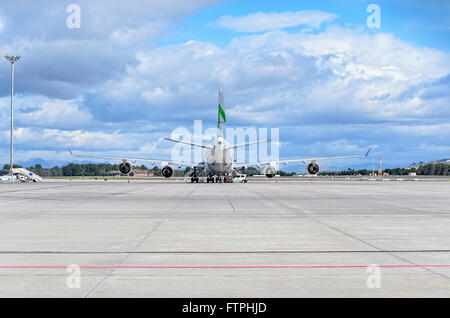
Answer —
(312, 168)
(270, 171)
(125, 168)
(167, 172)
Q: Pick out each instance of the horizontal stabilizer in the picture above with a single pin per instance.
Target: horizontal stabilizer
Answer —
(188, 143)
(249, 144)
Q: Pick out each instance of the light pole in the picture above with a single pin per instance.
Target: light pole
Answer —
(12, 59)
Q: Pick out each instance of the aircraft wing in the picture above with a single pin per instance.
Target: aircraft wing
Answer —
(249, 143)
(162, 162)
(305, 160)
(188, 143)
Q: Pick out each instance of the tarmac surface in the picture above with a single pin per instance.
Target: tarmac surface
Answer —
(260, 239)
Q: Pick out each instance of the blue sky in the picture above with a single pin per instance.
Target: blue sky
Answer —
(135, 71)
(423, 23)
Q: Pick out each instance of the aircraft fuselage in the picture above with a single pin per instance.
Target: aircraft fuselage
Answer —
(219, 160)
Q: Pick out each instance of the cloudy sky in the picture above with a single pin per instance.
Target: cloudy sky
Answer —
(136, 70)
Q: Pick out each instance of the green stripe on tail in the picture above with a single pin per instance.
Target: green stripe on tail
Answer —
(221, 115)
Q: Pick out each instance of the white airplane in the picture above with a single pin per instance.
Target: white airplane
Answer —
(219, 160)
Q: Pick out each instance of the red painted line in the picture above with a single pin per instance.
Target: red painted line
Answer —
(224, 267)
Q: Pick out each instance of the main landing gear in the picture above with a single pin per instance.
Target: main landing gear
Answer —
(194, 179)
(219, 179)
(212, 179)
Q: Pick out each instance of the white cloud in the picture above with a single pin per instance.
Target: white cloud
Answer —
(289, 77)
(339, 77)
(75, 139)
(442, 130)
(40, 111)
(129, 36)
(60, 62)
(258, 22)
(51, 144)
(67, 114)
(99, 19)
(157, 95)
(343, 86)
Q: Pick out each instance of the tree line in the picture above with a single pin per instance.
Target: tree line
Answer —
(430, 169)
(77, 170)
(105, 169)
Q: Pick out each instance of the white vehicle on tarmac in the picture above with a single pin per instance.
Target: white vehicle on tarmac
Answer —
(240, 178)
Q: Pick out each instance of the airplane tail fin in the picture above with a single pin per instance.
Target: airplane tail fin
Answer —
(222, 118)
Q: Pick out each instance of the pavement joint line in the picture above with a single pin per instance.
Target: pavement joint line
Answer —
(419, 210)
(152, 229)
(123, 259)
(377, 248)
(225, 252)
(243, 215)
(413, 264)
(231, 204)
(283, 203)
(37, 189)
(393, 226)
(424, 266)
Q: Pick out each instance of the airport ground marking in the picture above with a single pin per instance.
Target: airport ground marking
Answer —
(230, 267)
(176, 252)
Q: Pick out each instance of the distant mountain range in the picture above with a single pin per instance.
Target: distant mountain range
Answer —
(48, 163)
